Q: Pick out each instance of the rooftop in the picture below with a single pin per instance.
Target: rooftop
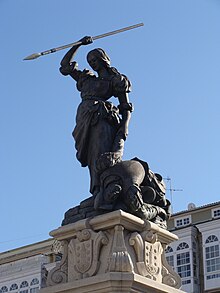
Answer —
(210, 205)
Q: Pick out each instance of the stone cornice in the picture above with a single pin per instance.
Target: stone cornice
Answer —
(109, 220)
(43, 247)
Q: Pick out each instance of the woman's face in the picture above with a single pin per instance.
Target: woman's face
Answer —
(94, 62)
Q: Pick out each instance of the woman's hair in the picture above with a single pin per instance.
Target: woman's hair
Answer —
(101, 55)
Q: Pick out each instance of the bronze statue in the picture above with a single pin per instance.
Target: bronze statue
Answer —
(99, 128)
(100, 132)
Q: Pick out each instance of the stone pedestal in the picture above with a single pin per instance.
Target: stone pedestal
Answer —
(114, 252)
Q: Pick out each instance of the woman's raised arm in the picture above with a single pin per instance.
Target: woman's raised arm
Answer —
(67, 59)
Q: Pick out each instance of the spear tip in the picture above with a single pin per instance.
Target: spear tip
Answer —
(32, 56)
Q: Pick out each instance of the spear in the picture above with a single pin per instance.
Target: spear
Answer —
(36, 55)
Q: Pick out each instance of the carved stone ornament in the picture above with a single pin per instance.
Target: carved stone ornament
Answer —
(113, 244)
(84, 251)
(148, 252)
(57, 247)
(58, 275)
(120, 260)
(169, 276)
(151, 260)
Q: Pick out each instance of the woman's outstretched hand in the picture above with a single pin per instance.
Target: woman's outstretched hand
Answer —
(86, 40)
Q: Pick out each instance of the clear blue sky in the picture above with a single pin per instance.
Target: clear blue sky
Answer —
(174, 65)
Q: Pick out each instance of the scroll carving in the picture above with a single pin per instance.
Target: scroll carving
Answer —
(58, 275)
(148, 253)
(169, 276)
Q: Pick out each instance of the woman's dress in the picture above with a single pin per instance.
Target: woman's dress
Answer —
(97, 119)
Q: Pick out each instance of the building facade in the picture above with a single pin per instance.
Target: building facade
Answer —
(196, 255)
(24, 270)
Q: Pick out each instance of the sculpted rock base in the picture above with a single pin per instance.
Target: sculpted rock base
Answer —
(114, 252)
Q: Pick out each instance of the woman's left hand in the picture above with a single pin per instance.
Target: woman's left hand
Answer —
(86, 40)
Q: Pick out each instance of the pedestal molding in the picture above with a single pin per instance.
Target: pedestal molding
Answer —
(118, 243)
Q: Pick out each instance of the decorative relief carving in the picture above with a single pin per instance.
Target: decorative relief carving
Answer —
(169, 276)
(84, 252)
(148, 252)
(120, 260)
(149, 236)
(117, 248)
(151, 260)
(59, 274)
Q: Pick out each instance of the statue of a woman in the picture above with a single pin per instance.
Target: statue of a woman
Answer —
(101, 128)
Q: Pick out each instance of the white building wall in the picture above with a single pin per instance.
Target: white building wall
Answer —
(22, 272)
(187, 237)
(211, 258)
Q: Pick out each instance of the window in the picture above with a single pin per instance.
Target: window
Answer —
(211, 238)
(35, 281)
(34, 290)
(216, 213)
(14, 287)
(186, 221)
(182, 221)
(183, 263)
(213, 276)
(24, 287)
(168, 249)
(34, 286)
(4, 289)
(170, 260)
(24, 284)
(182, 245)
(212, 258)
(186, 282)
(212, 255)
(169, 256)
(179, 222)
